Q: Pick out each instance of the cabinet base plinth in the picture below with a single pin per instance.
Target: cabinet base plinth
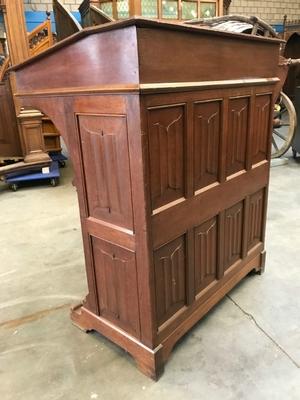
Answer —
(149, 361)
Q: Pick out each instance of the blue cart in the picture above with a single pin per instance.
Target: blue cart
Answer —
(52, 175)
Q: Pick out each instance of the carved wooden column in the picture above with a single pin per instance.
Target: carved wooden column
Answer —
(17, 40)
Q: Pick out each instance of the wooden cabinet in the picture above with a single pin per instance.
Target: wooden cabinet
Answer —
(51, 137)
(9, 137)
(168, 127)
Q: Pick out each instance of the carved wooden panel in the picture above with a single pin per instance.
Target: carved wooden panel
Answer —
(205, 254)
(237, 135)
(233, 232)
(207, 129)
(170, 278)
(166, 129)
(255, 219)
(106, 167)
(261, 128)
(116, 278)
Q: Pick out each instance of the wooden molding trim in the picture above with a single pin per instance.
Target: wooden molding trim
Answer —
(148, 87)
(151, 87)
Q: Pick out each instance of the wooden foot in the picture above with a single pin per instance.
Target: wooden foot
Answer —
(152, 365)
(261, 269)
(78, 319)
(149, 361)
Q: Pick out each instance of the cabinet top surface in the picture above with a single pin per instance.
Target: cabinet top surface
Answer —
(146, 23)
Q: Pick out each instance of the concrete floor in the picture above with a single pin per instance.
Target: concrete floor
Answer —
(248, 347)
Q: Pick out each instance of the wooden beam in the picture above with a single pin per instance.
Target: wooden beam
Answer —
(135, 8)
(15, 26)
(221, 8)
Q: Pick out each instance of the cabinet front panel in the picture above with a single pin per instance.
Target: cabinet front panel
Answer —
(238, 129)
(233, 234)
(207, 131)
(116, 280)
(261, 128)
(170, 278)
(206, 254)
(166, 130)
(204, 237)
(106, 166)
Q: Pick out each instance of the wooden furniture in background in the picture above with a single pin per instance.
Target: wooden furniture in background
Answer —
(9, 136)
(91, 15)
(51, 136)
(14, 20)
(16, 138)
(291, 49)
(171, 155)
(40, 38)
(32, 136)
(66, 23)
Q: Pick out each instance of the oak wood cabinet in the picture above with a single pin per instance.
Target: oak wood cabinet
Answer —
(169, 130)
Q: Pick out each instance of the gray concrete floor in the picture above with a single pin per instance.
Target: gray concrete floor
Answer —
(247, 347)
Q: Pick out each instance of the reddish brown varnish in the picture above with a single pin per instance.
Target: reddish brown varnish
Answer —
(169, 130)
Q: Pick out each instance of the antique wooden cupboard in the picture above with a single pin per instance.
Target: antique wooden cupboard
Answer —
(168, 127)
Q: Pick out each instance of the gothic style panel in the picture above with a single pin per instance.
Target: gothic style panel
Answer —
(166, 126)
(116, 278)
(261, 128)
(207, 131)
(255, 220)
(170, 278)
(205, 254)
(233, 234)
(106, 166)
(237, 135)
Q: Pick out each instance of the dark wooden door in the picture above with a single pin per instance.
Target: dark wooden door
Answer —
(9, 136)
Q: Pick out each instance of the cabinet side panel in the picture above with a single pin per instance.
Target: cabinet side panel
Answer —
(106, 166)
(255, 225)
(116, 278)
(261, 128)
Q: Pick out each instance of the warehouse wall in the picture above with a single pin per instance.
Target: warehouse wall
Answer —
(271, 11)
(46, 5)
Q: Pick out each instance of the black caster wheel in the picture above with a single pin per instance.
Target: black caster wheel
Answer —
(14, 187)
(62, 164)
(294, 153)
(54, 182)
